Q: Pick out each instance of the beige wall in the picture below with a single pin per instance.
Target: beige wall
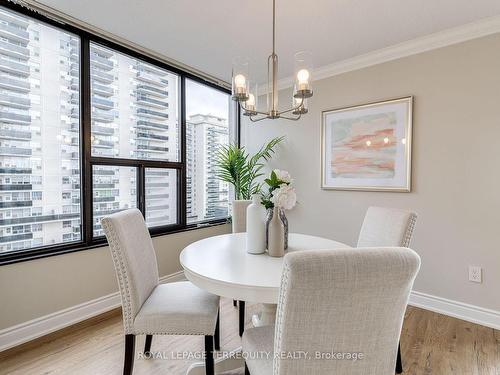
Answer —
(456, 163)
(36, 288)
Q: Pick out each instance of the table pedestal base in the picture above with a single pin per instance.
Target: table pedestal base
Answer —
(267, 316)
(233, 359)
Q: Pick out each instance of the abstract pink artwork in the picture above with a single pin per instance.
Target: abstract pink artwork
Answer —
(367, 147)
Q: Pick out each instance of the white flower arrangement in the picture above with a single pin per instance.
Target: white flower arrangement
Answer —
(280, 193)
(284, 197)
(283, 176)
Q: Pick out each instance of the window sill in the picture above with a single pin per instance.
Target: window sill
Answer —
(33, 254)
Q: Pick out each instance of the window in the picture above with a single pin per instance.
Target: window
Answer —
(134, 107)
(33, 135)
(89, 127)
(207, 128)
(115, 189)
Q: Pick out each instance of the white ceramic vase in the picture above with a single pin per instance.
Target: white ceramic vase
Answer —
(256, 226)
(239, 215)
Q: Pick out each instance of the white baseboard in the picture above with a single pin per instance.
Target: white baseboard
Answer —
(32, 329)
(456, 309)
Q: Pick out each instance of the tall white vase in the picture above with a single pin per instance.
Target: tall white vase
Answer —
(239, 215)
(256, 226)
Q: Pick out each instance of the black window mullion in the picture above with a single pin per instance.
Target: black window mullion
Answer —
(141, 189)
(86, 171)
(182, 179)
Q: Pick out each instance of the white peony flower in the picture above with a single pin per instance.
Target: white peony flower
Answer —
(283, 175)
(284, 197)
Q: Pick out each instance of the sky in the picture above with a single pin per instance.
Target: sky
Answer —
(201, 99)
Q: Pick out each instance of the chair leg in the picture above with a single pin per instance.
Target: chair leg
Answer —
(217, 333)
(399, 363)
(128, 365)
(247, 372)
(235, 303)
(147, 345)
(209, 355)
(241, 319)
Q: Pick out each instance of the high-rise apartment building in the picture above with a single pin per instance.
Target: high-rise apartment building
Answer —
(207, 196)
(39, 134)
(134, 115)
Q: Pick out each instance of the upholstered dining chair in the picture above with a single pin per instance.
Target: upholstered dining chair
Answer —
(388, 227)
(343, 308)
(150, 308)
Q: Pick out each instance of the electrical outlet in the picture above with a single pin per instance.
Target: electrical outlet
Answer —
(475, 274)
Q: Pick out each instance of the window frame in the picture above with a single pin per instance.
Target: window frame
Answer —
(87, 161)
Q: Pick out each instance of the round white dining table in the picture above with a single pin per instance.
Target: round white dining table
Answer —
(221, 266)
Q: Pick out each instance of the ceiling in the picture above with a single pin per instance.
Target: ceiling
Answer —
(208, 34)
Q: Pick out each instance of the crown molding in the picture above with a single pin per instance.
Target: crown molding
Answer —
(473, 30)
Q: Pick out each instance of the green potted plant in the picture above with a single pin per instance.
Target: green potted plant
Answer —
(236, 167)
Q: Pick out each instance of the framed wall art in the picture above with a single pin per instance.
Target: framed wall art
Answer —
(367, 147)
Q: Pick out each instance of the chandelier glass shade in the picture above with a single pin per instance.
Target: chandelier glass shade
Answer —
(244, 91)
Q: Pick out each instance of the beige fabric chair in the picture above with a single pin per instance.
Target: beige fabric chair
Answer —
(387, 227)
(340, 301)
(150, 308)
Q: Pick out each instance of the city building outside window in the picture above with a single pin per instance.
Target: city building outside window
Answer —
(89, 128)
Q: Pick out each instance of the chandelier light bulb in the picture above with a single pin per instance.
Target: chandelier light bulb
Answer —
(240, 83)
(303, 76)
(303, 79)
(250, 103)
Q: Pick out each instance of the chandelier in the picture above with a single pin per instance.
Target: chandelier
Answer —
(246, 94)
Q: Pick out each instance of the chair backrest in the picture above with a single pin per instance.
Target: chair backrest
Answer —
(387, 227)
(338, 305)
(134, 259)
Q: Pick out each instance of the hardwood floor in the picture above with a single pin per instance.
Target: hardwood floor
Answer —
(431, 344)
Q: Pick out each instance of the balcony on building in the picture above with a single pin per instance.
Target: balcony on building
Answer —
(146, 135)
(14, 50)
(102, 90)
(101, 62)
(14, 33)
(103, 77)
(102, 103)
(150, 102)
(15, 134)
(14, 19)
(15, 151)
(150, 125)
(102, 116)
(15, 187)
(14, 101)
(99, 143)
(152, 114)
(74, 69)
(15, 170)
(16, 67)
(102, 130)
(14, 84)
(151, 79)
(150, 90)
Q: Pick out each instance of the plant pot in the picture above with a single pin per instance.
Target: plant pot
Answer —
(239, 215)
(284, 220)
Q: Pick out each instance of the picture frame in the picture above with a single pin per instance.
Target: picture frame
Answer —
(368, 147)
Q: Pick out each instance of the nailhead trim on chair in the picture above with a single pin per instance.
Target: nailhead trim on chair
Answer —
(122, 276)
(279, 316)
(409, 230)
